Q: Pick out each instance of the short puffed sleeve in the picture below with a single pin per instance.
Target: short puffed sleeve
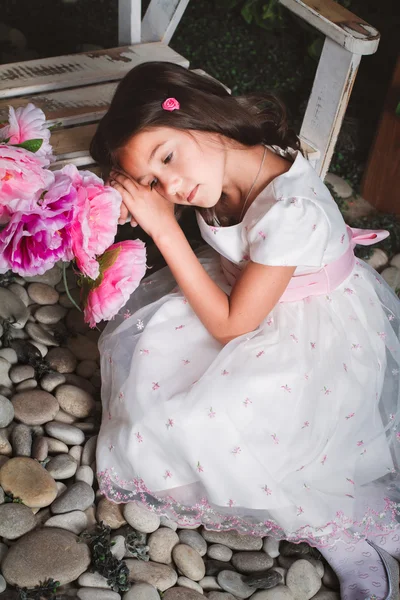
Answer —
(295, 231)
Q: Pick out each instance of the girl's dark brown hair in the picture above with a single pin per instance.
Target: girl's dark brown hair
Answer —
(205, 105)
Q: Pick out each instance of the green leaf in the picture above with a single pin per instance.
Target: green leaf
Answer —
(31, 145)
(397, 112)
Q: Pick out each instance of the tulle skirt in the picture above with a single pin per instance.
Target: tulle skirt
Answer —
(289, 431)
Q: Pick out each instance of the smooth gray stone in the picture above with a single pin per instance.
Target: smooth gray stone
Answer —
(220, 596)
(10, 355)
(160, 576)
(20, 292)
(189, 562)
(50, 277)
(43, 294)
(19, 373)
(21, 440)
(35, 407)
(233, 540)
(280, 592)
(142, 591)
(6, 411)
(62, 466)
(219, 552)
(15, 520)
(91, 593)
(271, 546)
(40, 448)
(79, 496)
(193, 539)
(303, 580)
(263, 580)
(3, 584)
(252, 562)
(50, 315)
(161, 543)
(50, 381)
(38, 334)
(93, 580)
(89, 451)
(25, 386)
(4, 370)
(185, 582)
(179, 593)
(213, 567)
(233, 583)
(70, 435)
(290, 549)
(12, 309)
(61, 360)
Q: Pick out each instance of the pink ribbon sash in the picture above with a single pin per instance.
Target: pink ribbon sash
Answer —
(330, 276)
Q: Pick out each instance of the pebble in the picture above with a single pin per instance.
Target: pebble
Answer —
(41, 347)
(395, 262)
(19, 373)
(303, 580)
(19, 291)
(220, 596)
(21, 440)
(161, 544)
(86, 368)
(83, 348)
(233, 540)
(76, 453)
(219, 552)
(91, 593)
(2, 496)
(47, 553)
(80, 382)
(50, 315)
(3, 551)
(3, 584)
(5, 446)
(288, 561)
(177, 593)
(378, 259)
(38, 334)
(160, 576)
(263, 580)
(140, 518)
(6, 411)
(50, 381)
(61, 360)
(280, 592)
(271, 546)
(50, 277)
(93, 580)
(142, 591)
(165, 522)
(340, 186)
(28, 384)
(26, 479)
(213, 567)
(65, 301)
(252, 562)
(12, 309)
(42, 293)
(4, 370)
(10, 355)
(56, 446)
(15, 520)
(74, 400)
(325, 594)
(63, 417)
(330, 579)
(70, 435)
(110, 513)
(282, 572)
(194, 540)
(189, 584)
(85, 473)
(233, 583)
(189, 562)
(392, 277)
(78, 496)
(291, 549)
(209, 583)
(35, 407)
(40, 448)
(62, 466)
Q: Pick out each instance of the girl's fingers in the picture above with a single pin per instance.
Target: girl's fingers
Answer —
(123, 214)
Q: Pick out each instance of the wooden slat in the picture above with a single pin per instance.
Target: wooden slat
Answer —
(75, 70)
(337, 23)
(161, 19)
(72, 145)
(336, 72)
(381, 176)
(67, 107)
(129, 22)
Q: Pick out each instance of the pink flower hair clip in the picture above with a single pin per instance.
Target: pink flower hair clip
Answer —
(171, 104)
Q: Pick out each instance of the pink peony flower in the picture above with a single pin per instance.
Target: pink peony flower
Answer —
(95, 219)
(22, 180)
(122, 267)
(28, 123)
(33, 241)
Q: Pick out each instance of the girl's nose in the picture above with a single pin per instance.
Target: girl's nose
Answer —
(173, 186)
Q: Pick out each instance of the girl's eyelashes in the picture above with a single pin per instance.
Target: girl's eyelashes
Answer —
(166, 160)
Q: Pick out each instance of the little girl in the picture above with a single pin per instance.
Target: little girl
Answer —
(253, 386)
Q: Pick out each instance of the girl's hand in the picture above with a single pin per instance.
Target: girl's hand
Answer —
(148, 208)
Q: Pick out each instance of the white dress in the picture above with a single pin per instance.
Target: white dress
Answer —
(290, 430)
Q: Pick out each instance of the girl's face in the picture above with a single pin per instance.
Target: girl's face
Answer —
(184, 167)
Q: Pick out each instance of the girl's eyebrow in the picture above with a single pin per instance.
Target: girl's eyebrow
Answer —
(150, 159)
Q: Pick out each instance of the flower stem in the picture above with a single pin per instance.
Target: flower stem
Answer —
(64, 269)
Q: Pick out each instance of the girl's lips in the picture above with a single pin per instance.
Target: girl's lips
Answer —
(192, 194)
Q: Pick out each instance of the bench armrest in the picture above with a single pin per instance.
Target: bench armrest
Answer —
(337, 23)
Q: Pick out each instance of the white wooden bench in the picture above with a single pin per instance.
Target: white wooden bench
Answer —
(74, 90)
